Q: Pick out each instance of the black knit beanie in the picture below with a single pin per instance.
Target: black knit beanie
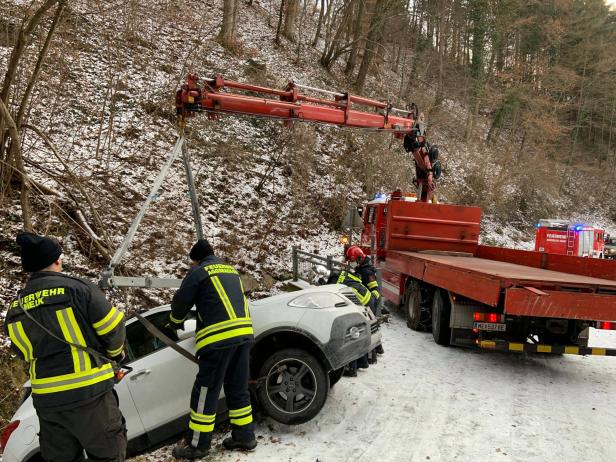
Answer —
(201, 250)
(37, 252)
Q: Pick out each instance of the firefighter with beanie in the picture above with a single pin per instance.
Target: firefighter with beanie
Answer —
(224, 337)
(66, 330)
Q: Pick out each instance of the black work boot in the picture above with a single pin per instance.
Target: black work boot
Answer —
(182, 451)
(230, 443)
(350, 372)
(379, 350)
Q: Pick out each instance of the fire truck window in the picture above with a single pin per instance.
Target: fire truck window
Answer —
(371, 213)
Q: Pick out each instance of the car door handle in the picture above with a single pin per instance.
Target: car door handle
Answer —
(141, 373)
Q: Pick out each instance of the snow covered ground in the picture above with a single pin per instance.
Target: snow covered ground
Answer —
(426, 402)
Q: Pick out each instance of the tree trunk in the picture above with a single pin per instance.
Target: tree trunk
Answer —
(230, 11)
(372, 43)
(352, 60)
(280, 16)
(291, 19)
(319, 24)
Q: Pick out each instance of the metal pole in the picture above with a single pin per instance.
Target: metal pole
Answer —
(117, 256)
(194, 201)
(295, 264)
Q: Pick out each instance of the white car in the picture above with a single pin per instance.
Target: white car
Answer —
(309, 335)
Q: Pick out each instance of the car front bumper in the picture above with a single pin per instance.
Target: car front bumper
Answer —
(345, 347)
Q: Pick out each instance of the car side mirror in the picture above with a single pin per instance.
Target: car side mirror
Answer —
(190, 325)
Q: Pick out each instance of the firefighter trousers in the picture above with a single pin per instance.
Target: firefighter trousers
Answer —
(228, 367)
(97, 427)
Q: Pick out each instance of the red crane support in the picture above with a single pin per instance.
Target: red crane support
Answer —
(290, 106)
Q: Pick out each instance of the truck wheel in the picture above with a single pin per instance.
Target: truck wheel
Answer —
(335, 376)
(441, 310)
(416, 318)
(295, 388)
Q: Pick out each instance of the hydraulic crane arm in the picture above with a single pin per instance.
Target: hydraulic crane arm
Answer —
(342, 109)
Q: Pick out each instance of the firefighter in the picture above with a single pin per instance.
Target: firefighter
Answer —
(362, 264)
(224, 337)
(365, 298)
(66, 329)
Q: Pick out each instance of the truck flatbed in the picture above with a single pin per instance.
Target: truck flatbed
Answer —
(511, 273)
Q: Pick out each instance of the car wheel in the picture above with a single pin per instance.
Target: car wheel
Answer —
(295, 386)
(441, 310)
(335, 376)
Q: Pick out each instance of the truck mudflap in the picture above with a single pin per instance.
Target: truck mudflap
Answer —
(539, 348)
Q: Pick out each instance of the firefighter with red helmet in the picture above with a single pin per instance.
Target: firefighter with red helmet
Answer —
(363, 267)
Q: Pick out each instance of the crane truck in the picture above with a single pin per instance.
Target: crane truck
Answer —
(432, 264)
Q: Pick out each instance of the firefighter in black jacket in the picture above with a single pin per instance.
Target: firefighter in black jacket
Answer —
(224, 337)
(367, 272)
(72, 390)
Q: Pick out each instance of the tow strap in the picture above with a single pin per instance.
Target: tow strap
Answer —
(156, 332)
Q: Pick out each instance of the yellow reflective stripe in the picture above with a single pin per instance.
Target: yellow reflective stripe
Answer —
(224, 336)
(19, 339)
(115, 352)
(238, 412)
(71, 381)
(68, 337)
(111, 324)
(598, 351)
(363, 299)
(353, 277)
(79, 340)
(203, 418)
(544, 348)
(201, 427)
(243, 421)
(175, 320)
(373, 285)
(571, 350)
(376, 294)
(516, 346)
(223, 296)
(223, 325)
(107, 317)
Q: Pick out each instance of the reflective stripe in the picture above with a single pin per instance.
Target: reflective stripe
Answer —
(20, 339)
(239, 412)
(72, 381)
(376, 294)
(115, 352)
(72, 334)
(109, 322)
(202, 418)
(238, 322)
(363, 299)
(241, 421)
(224, 336)
(196, 428)
(223, 296)
(373, 285)
(176, 320)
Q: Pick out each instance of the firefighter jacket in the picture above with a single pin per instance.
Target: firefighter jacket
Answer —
(223, 317)
(74, 310)
(352, 281)
(367, 272)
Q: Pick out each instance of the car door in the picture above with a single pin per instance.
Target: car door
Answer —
(162, 379)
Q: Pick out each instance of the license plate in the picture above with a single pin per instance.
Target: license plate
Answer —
(490, 326)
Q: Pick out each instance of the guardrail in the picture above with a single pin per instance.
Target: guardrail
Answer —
(306, 263)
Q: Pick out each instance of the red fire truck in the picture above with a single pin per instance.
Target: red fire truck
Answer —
(475, 295)
(561, 237)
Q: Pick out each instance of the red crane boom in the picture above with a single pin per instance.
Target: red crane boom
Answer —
(290, 105)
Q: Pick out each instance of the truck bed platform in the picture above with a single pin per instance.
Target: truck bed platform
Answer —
(526, 290)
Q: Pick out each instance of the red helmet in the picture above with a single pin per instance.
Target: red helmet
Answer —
(353, 253)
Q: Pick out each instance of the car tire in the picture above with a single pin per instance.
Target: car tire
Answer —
(441, 310)
(416, 318)
(279, 395)
(335, 376)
